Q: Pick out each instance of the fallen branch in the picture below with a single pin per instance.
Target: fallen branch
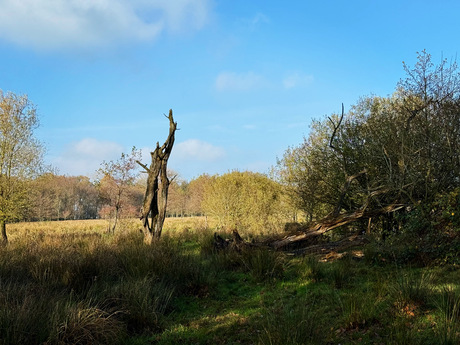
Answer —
(331, 223)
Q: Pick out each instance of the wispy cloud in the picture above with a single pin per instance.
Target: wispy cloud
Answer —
(194, 149)
(73, 24)
(254, 22)
(85, 156)
(259, 18)
(230, 81)
(183, 14)
(296, 79)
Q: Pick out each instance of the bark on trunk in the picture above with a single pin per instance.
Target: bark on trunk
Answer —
(156, 194)
(117, 211)
(3, 231)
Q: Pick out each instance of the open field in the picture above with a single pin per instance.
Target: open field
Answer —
(72, 283)
(19, 230)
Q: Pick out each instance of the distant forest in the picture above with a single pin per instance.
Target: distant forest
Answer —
(59, 197)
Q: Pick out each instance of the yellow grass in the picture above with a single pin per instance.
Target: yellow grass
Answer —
(33, 230)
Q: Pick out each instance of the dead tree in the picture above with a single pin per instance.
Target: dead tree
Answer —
(156, 194)
(332, 222)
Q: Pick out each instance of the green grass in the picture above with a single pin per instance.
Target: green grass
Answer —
(75, 284)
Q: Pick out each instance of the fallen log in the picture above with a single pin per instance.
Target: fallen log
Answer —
(330, 223)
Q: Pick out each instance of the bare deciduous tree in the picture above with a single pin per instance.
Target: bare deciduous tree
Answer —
(118, 176)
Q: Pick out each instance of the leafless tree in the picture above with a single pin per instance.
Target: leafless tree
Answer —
(156, 194)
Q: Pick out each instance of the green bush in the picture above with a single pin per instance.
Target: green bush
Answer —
(250, 202)
(428, 234)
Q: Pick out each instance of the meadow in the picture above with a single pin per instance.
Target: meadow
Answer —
(71, 282)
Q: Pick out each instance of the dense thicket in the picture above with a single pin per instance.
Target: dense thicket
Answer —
(398, 150)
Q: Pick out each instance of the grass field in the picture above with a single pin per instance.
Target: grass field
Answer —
(72, 283)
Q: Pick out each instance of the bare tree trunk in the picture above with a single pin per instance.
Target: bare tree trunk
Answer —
(117, 211)
(162, 200)
(3, 232)
(156, 194)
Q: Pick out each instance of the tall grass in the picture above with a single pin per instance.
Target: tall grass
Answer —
(64, 287)
(341, 271)
(413, 287)
(448, 305)
(302, 323)
(263, 264)
(80, 285)
(84, 323)
(311, 268)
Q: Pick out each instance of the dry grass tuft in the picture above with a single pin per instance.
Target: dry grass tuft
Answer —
(86, 325)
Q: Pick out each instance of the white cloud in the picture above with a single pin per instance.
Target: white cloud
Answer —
(194, 149)
(50, 25)
(85, 156)
(182, 14)
(230, 81)
(90, 147)
(296, 79)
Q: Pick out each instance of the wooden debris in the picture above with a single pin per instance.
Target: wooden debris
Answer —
(330, 223)
(235, 243)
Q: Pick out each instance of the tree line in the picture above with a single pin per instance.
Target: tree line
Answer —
(59, 197)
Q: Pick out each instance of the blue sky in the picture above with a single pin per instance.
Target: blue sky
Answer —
(244, 78)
